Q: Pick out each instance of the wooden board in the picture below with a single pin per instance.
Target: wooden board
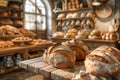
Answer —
(38, 66)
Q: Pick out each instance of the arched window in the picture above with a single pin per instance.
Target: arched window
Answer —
(35, 16)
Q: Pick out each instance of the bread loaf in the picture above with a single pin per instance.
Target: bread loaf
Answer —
(80, 49)
(103, 61)
(59, 56)
(76, 15)
(83, 75)
(110, 36)
(61, 16)
(58, 35)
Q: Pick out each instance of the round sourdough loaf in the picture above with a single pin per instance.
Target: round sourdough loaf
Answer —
(103, 61)
(59, 56)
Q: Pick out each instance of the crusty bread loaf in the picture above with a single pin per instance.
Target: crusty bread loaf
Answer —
(80, 49)
(110, 36)
(103, 61)
(59, 56)
(83, 75)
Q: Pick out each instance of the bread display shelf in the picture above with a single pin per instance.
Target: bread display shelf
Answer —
(16, 1)
(70, 19)
(65, 39)
(92, 44)
(10, 17)
(24, 51)
(11, 9)
(76, 10)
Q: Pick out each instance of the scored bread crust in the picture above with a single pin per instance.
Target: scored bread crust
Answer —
(103, 61)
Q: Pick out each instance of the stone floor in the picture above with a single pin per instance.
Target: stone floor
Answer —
(18, 75)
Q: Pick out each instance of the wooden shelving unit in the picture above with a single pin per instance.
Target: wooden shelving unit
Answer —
(10, 11)
(24, 51)
(76, 10)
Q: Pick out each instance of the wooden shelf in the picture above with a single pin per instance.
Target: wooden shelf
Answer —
(10, 17)
(77, 10)
(92, 44)
(70, 19)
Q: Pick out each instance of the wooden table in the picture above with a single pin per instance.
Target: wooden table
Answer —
(49, 72)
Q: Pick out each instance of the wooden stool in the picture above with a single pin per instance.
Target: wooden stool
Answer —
(36, 77)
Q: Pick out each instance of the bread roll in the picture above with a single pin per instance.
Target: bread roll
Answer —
(4, 14)
(58, 35)
(77, 23)
(15, 6)
(96, 32)
(83, 15)
(61, 16)
(69, 15)
(59, 56)
(18, 23)
(90, 15)
(110, 36)
(72, 23)
(103, 61)
(6, 22)
(76, 15)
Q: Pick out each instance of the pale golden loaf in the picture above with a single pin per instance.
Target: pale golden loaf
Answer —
(69, 15)
(83, 15)
(103, 61)
(61, 16)
(58, 35)
(78, 23)
(76, 15)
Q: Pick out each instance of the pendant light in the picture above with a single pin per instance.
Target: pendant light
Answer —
(96, 3)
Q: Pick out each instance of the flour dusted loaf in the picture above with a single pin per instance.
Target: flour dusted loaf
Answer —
(83, 75)
(78, 47)
(103, 61)
(59, 56)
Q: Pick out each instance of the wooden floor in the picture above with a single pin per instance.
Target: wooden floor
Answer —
(18, 75)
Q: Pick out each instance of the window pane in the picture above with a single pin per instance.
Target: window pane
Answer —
(28, 2)
(30, 26)
(39, 18)
(30, 18)
(29, 8)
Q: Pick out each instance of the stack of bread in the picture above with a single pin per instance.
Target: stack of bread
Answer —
(8, 30)
(65, 55)
(6, 44)
(39, 42)
(110, 36)
(27, 32)
(21, 38)
(95, 34)
(71, 33)
(72, 5)
(83, 34)
(102, 64)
